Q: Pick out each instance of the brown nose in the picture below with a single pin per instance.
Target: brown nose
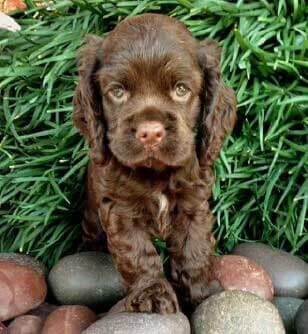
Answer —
(150, 133)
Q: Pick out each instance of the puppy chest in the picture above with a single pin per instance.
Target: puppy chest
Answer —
(160, 223)
(163, 205)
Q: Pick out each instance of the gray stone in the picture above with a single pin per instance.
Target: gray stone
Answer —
(289, 273)
(301, 319)
(88, 278)
(24, 260)
(287, 307)
(140, 323)
(236, 312)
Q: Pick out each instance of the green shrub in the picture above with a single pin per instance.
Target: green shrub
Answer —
(260, 193)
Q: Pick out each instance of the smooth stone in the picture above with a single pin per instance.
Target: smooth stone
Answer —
(26, 324)
(88, 278)
(3, 329)
(236, 312)
(301, 319)
(24, 260)
(71, 319)
(240, 273)
(21, 289)
(287, 307)
(289, 273)
(13, 6)
(140, 323)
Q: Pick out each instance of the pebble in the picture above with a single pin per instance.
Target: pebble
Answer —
(287, 307)
(289, 273)
(26, 324)
(70, 319)
(22, 285)
(140, 323)
(236, 312)
(88, 278)
(240, 273)
(301, 319)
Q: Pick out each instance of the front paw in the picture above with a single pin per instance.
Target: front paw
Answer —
(152, 296)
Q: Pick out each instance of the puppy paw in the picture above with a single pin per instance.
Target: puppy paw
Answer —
(152, 296)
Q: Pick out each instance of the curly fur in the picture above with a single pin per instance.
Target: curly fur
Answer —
(131, 205)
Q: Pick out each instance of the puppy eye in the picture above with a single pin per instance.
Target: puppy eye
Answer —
(181, 90)
(117, 92)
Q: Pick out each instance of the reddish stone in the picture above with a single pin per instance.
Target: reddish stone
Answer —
(8, 6)
(22, 288)
(69, 320)
(240, 273)
(26, 324)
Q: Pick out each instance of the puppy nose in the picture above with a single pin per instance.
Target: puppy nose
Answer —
(150, 133)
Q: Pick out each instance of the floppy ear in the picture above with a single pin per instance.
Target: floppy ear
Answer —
(218, 116)
(87, 102)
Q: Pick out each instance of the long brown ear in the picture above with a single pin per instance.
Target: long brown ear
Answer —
(218, 116)
(87, 102)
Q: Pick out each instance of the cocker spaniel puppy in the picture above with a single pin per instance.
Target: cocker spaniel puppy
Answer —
(155, 112)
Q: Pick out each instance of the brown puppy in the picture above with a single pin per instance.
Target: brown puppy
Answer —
(155, 112)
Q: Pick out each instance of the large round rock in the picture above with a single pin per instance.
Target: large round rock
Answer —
(236, 312)
(88, 278)
(22, 285)
(301, 319)
(140, 323)
(234, 272)
(287, 307)
(289, 273)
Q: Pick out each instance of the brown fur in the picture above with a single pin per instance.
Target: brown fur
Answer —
(137, 195)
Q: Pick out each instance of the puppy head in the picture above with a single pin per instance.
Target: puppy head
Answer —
(148, 95)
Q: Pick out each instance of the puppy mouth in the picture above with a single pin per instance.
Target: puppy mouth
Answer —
(156, 157)
(151, 159)
(150, 163)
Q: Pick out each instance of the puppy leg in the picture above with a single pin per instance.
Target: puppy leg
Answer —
(191, 245)
(141, 268)
(93, 236)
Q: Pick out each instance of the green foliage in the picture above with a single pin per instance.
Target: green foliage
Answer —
(260, 193)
